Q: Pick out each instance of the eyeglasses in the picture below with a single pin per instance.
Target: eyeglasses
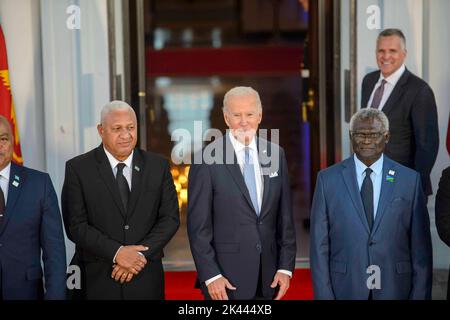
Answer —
(363, 136)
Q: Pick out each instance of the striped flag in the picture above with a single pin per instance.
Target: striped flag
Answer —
(6, 100)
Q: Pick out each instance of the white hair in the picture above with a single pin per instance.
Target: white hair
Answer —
(241, 91)
(369, 113)
(114, 106)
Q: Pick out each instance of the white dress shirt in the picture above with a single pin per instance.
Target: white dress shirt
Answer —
(126, 170)
(239, 150)
(376, 176)
(126, 173)
(391, 81)
(4, 180)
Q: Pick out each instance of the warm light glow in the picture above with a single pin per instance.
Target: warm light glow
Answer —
(180, 174)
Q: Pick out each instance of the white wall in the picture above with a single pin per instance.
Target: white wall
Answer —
(20, 21)
(439, 80)
(76, 78)
(59, 79)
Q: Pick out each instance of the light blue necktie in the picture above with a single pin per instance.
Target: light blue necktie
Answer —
(249, 177)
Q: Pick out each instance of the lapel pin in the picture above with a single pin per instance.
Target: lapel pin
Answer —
(15, 183)
(137, 168)
(389, 178)
(16, 178)
(391, 172)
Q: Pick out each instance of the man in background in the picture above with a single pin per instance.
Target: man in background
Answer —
(409, 104)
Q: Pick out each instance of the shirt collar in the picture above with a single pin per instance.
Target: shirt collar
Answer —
(238, 146)
(6, 171)
(376, 167)
(113, 161)
(393, 78)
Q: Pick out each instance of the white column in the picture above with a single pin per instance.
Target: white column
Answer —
(76, 82)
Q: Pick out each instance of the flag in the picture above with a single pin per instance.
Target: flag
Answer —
(6, 100)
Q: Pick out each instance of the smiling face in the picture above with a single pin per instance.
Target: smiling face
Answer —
(6, 145)
(243, 116)
(390, 54)
(119, 133)
(368, 140)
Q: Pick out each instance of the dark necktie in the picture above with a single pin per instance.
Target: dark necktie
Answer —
(378, 95)
(122, 183)
(2, 206)
(367, 196)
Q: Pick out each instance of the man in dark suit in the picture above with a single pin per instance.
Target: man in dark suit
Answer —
(409, 104)
(240, 223)
(30, 224)
(370, 230)
(442, 212)
(120, 208)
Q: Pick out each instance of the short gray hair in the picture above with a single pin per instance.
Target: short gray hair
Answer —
(369, 113)
(393, 32)
(241, 91)
(114, 106)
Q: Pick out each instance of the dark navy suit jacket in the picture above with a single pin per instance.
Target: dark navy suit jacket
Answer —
(225, 233)
(32, 226)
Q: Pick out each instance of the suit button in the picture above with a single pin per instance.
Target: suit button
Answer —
(258, 247)
(371, 243)
(126, 227)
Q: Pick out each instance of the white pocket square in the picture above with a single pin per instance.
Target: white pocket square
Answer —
(273, 174)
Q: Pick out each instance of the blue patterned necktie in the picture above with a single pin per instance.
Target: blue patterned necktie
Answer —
(250, 181)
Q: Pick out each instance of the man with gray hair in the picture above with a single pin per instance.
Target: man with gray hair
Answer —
(408, 102)
(120, 208)
(240, 222)
(370, 229)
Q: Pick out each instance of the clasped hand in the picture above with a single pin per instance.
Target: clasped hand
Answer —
(129, 262)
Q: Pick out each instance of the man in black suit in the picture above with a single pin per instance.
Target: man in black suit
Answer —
(409, 104)
(240, 223)
(442, 211)
(120, 208)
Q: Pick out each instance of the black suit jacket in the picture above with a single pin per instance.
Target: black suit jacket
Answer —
(442, 211)
(412, 113)
(225, 233)
(97, 223)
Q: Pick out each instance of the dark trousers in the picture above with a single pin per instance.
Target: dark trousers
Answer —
(258, 294)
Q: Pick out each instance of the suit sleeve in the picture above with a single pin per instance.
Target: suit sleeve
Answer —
(421, 249)
(319, 245)
(168, 219)
(285, 226)
(200, 222)
(443, 207)
(76, 221)
(426, 134)
(52, 243)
